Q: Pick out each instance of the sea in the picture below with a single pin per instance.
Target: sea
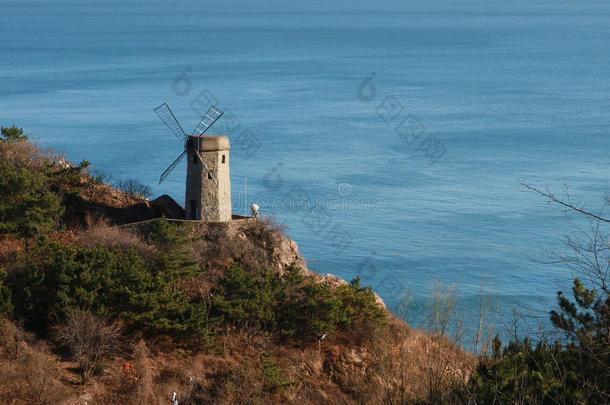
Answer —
(393, 139)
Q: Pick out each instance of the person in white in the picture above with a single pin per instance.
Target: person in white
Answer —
(254, 208)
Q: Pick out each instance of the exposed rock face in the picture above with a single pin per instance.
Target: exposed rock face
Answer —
(252, 243)
(347, 367)
(285, 253)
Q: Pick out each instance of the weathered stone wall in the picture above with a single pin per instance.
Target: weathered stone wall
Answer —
(210, 190)
(216, 191)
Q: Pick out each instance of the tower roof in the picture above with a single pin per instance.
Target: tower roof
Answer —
(209, 143)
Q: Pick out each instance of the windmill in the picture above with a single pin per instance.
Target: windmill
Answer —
(208, 185)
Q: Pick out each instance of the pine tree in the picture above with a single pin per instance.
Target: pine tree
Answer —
(5, 295)
(12, 134)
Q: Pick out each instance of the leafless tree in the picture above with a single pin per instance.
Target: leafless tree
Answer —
(589, 248)
(90, 340)
(135, 188)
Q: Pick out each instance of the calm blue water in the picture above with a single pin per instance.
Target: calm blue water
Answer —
(516, 92)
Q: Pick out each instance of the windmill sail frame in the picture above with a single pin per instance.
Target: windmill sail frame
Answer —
(211, 116)
(165, 113)
(169, 119)
(171, 167)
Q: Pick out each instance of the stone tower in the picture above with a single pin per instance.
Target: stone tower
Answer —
(208, 184)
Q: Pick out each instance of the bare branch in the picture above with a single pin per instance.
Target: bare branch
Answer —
(566, 203)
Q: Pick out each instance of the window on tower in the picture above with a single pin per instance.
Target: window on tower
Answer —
(209, 175)
(194, 158)
(223, 158)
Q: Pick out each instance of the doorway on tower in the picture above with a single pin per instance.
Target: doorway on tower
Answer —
(193, 209)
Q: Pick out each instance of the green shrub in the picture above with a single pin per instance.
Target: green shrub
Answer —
(521, 374)
(34, 190)
(12, 133)
(166, 234)
(274, 378)
(27, 207)
(65, 181)
(575, 369)
(55, 280)
(5, 295)
(308, 308)
(294, 306)
(359, 306)
(246, 300)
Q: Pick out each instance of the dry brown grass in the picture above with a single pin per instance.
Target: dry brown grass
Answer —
(397, 366)
(29, 374)
(31, 379)
(10, 247)
(100, 233)
(12, 338)
(264, 230)
(26, 154)
(135, 385)
(106, 194)
(255, 245)
(145, 389)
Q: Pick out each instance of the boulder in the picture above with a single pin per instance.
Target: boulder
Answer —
(168, 207)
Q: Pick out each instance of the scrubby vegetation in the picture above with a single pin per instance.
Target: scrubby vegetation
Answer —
(89, 292)
(134, 188)
(53, 280)
(28, 206)
(90, 340)
(570, 363)
(293, 306)
(571, 369)
(42, 192)
(99, 313)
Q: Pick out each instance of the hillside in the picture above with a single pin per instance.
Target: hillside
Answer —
(99, 313)
(109, 297)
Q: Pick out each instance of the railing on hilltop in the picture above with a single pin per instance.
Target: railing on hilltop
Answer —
(236, 218)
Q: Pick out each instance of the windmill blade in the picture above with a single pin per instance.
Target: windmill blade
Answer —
(169, 119)
(171, 167)
(210, 117)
